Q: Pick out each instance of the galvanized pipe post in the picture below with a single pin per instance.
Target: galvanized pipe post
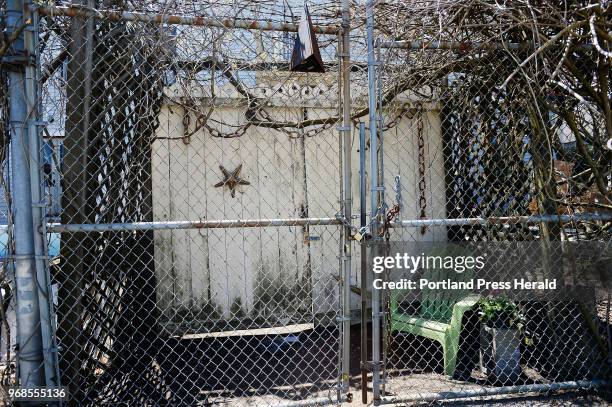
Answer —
(282, 222)
(364, 264)
(43, 278)
(30, 354)
(345, 132)
(374, 195)
(381, 183)
(380, 122)
(465, 46)
(521, 389)
(196, 21)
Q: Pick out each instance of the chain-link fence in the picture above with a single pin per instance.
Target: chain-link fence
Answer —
(200, 181)
(505, 134)
(207, 218)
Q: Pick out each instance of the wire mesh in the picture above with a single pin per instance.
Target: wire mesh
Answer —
(169, 123)
(494, 94)
(195, 192)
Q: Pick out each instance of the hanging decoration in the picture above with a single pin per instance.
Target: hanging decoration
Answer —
(231, 179)
(306, 56)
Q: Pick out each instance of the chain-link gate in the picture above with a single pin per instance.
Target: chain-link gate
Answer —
(507, 158)
(193, 192)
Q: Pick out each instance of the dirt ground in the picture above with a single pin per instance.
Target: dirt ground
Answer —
(279, 370)
(416, 380)
(282, 374)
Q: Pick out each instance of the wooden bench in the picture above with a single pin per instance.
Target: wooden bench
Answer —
(439, 315)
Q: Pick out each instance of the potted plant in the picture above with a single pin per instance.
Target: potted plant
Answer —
(502, 325)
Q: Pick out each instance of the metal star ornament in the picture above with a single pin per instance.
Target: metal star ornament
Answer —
(231, 179)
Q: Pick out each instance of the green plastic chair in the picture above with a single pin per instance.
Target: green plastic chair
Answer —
(440, 313)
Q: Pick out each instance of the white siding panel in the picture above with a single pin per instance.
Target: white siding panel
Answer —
(230, 269)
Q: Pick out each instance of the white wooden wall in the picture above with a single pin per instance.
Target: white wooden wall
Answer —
(196, 268)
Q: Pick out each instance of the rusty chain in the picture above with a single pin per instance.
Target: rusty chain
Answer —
(421, 161)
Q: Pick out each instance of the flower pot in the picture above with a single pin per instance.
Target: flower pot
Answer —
(500, 353)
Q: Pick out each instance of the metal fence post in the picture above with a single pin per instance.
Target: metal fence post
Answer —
(45, 294)
(347, 193)
(30, 354)
(363, 263)
(375, 194)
